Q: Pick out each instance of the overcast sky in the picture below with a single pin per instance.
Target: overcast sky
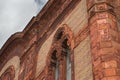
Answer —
(15, 15)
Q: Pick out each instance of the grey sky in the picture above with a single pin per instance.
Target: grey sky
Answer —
(15, 14)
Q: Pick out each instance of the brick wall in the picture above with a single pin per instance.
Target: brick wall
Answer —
(104, 40)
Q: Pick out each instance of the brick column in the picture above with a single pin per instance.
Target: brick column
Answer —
(104, 40)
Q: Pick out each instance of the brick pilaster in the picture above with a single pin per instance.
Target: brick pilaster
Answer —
(104, 40)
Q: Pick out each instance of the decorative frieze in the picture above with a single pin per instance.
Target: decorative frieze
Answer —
(96, 6)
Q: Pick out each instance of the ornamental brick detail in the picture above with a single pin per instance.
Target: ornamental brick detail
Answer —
(9, 74)
(104, 40)
(62, 40)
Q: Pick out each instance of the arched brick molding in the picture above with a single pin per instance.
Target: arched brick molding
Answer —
(63, 39)
(64, 32)
(11, 68)
(9, 74)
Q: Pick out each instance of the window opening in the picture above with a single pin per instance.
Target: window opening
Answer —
(68, 64)
(57, 71)
(59, 36)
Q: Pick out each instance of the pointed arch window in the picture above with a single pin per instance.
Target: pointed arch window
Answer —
(68, 64)
(62, 60)
(67, 59)
(57, 70)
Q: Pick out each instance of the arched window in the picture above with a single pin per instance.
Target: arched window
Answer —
(68, 64)
(53, 67)
(57, 70)
(61, 56)
(67, 59)
(55, 63)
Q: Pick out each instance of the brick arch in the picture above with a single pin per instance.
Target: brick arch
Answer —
(54, 47)
(13, 64)
(65, 36)
(64, 32)
(9, 73)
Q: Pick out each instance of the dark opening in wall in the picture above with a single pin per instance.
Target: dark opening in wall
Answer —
(59, 36)
(64, 43)
(54, 55)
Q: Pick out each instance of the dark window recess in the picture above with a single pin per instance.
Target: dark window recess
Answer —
(64, 44)
(59, 36)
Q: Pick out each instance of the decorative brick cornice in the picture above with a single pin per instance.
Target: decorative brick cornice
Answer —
(97, 6)
(35, 31)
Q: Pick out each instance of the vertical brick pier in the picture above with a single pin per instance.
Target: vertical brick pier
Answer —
(105, 48)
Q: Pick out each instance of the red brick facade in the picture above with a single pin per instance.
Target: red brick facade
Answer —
(9, 74)
(104, 39)
(19, 56)
(63, 39)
